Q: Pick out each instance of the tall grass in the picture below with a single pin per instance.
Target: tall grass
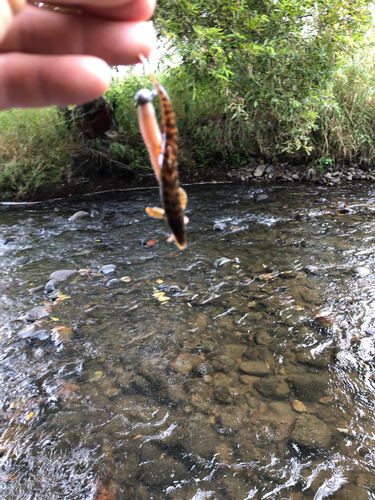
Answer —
(36, 147)
(345, 129)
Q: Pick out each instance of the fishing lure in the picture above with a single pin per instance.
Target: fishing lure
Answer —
(163, 149)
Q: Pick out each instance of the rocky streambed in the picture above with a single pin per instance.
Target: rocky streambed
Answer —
(240, 368)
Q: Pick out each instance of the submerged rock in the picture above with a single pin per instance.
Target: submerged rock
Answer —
(220, 226)
(20, 261)
(51, 286)
(63, 274)
(79, 215)
(221, 262)
(312, 432)
(325, 318)
(33, 332)
(107, 269)
(38, 312)
(273, 388)
(258, 368)
(309, 387)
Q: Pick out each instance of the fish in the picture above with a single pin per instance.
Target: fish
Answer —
(163, 151)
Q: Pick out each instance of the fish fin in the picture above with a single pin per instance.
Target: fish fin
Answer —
(156, 212)
(183, 197)
(173, 238)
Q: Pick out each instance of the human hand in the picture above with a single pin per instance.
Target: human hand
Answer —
(61, 56)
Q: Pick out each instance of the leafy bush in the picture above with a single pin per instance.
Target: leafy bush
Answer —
(36, 148)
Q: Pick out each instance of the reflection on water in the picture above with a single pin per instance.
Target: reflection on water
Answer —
(196, 374)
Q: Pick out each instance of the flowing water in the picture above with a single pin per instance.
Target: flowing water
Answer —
(190, 375)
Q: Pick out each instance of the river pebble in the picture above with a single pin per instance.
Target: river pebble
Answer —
(309, 387)
(51, 286)
(220, 226)
(107, 269)
(312, 432)
(258, 368)
(62, 275)
(38, 312)
(79, 215)
(273, 388)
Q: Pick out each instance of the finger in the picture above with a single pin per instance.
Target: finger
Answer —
(41, 31)
(133, 10)
(35, 81)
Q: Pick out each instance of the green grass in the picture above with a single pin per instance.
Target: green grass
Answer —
(36, 148)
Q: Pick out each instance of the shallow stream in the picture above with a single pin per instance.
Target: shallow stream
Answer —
(190, 375)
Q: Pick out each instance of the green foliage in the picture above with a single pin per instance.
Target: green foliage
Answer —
(36, 148)
(271, 61)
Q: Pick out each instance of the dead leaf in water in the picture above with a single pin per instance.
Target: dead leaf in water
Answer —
(151, 243)
(101, 490)
(62, 334)
(298, 406)
(163, 299)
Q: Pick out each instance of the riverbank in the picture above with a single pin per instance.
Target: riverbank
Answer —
(116, 178)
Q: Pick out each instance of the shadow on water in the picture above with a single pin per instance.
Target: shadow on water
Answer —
(196, 374)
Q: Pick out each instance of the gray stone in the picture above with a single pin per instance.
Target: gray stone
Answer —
(259, 171)
(257, 368)
(6, 286)
(63, 274)
(312, 432)
(262, 197)
(20, 261)
(79, 215)
(295, 177)
(220, 226)
(221, 261)
(51, 286)
(107, 269)
(113, 282)
(38, 312)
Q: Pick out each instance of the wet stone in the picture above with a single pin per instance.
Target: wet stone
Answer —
(114, 282)
(20, 261)
(79, 215)
(38, 312)
(257, 368)
(51, 286)
(310, 387)
(262, 197)
(186, 363)
(63, 274)
(33, 332)
(273, 388)
(199, 438)
(319, 360)
(107, 269)
(311, 432)
(220, 262)
(220, 226)
(262, 337)
(7, 286)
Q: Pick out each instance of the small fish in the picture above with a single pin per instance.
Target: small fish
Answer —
(163, 149)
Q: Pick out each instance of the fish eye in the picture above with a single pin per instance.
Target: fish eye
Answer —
(144, 96)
